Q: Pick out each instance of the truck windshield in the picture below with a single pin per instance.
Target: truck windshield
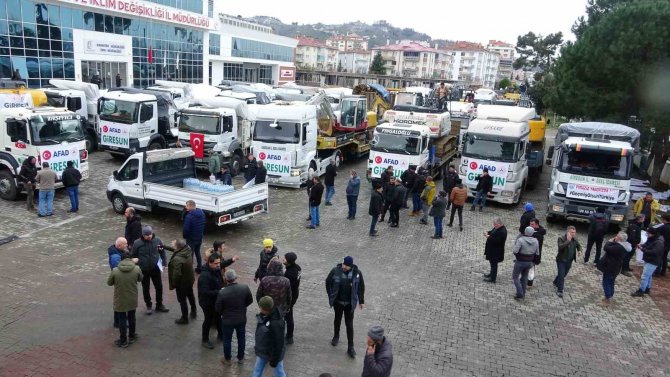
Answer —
(54, 129)
(55, 100)
(405, 99)
(494, 150)
(283, 133)
(397, 144)
(601, 163)
(209, 125)
(115, 110)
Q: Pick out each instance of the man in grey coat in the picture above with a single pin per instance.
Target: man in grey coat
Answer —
(46, 183)
(525, 249)
(379, 355)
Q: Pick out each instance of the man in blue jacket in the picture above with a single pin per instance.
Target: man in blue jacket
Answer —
(194, 230)
(353, 186)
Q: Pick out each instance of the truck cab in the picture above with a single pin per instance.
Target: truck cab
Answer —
(498, 140)
(132, 122)
(75, 101)
(353, 114)
(53, 135)
(399, 145)
(591, 167)
(176, 94)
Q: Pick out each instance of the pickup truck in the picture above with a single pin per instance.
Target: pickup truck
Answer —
(156, 179)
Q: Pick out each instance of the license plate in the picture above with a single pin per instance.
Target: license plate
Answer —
(239, 213)
(198, 160)
(585, 211)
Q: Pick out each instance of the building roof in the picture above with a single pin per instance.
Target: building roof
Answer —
(406, 46)
(350, 36)
(464, 46)
(366, 52)
(309, 41)
(494, 43)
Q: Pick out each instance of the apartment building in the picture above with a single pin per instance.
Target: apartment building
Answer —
(314, 54)
(473, 64)
(413, 59)
(507, 56)
(349, 42)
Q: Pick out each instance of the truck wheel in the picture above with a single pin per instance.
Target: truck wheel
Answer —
(155, 145)
(236, 165)
(551, 218)
(8, 189)
(119, 204)
(90, 142)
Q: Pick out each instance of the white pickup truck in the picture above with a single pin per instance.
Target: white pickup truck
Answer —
(156, 179)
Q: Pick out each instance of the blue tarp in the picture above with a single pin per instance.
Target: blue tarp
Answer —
(381, 91)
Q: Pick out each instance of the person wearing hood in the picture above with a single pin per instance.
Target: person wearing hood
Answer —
(427, 197)
(529, 214)
(458, 196)
(133, 231)
(181, 278)
(346, 290)
(194, 230)
(652, 252)
(598, 226)
(210, 283)
(539, 234)
(269, 251)
(270, 346)
(610, 264)
(647, 206)
(114, 256)
(27, 176)
(379, 354)
(124, 279)
(293, 273)
(495, 248)
(634, 233)
(353, 187)
(150, 253)
(275, 285)
(526, 249)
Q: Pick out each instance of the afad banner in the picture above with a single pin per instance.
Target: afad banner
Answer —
(276, 162)
(58, 155)
(497, 170)
(115, 135)
(380, 161)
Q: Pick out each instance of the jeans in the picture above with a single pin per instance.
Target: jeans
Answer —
(351, 202)
(260, 367)
(394, 214)
(373, 224)
(480, 198)
(608, 285)
(330, 191)
(290, 324)
(416, 201)
(46, 202)
(455, 209)
(425, 207)
(438, 225)
(493, 275)
(211, 316)
(314, 215)
(563, 269)
(626, 260)
(520, 276)
(154, 276)
(348, 313)
(195, 248)
(30, 195)
(647, 273)
(126, 324)
(184, 293)
(73, 193)
(598, 241)
(240, 330)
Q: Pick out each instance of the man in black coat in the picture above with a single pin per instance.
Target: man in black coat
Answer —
(232, 303)
(250, 168)
(664, 230)
(610, 264)
(387, 194)
(495, 248)
(598, 226)
(27, 176)
(376, 205)
(315, 195)
(293, 273)
(397, 200)
(652, 252)
(210, 283)
(133, 226)
(417, 189)
(71, 178)
(346, 290)
(484, 187)
(634, 233)
(329, 180)
(150, 252)
(449, 182)
(526, 217)
(539, 234)
(270, 345)
(261, 173)
(408, 178)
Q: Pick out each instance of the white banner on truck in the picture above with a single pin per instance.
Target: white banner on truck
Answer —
(497, 171)
(275, 161)
(594, 193)
(381, 161)
(58, 155)
(12, 100)
(115, 135)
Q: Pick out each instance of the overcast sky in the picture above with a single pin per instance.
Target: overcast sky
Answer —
(470, 20)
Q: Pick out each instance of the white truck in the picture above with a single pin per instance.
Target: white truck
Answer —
(461, 114)
(225, 126)
(413, 106)
(133, 120)
(53, 135)
(498, 139)
(156, 179)
(591, 167)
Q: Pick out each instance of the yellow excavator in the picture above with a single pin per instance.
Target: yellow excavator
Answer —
(379, 99)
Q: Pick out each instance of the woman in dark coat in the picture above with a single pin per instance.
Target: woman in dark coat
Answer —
(495, 248)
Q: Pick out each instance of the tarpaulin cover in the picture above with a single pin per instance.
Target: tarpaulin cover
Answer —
(598, 130)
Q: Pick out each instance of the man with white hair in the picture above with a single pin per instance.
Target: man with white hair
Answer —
(526, 248)
(495, 248)
(610, 265)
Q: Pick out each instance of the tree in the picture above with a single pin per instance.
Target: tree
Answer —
(377, 66)
(595, 10)
(537, 51)
(615, 70)
(504, 83)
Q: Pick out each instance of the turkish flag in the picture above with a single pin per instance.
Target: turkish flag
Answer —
(151, 55)
(197, 144)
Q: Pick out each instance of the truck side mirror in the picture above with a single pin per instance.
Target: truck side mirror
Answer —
(550, 155)
(115, 174)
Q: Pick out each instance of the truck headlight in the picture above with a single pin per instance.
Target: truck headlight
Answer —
(617, 218)
(506, 193)
(295, 172)
(557, 208)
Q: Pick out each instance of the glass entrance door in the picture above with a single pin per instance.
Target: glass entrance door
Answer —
(104, 73)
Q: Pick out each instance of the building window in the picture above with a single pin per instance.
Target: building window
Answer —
(214, 44)
(246, 48)
(210, 8)
(233, 71)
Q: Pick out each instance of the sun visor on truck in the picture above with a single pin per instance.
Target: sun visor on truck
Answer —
(598, 130)
(164, 99)
(91, 91)
(241, 108)
(506, 113)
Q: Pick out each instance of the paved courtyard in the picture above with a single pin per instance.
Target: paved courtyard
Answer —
(56, 309)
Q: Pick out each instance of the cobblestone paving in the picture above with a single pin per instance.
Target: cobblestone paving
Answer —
(56, 310)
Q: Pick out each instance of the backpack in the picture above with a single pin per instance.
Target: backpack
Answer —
(601, 226)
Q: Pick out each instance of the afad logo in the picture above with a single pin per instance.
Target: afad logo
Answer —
(262, 156)
(46, 155)
(473, 165)
(105, 129)
(378, 159)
